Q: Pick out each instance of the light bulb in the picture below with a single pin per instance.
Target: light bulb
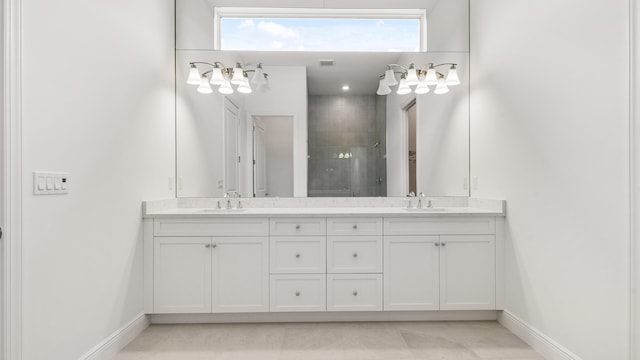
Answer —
(422, 88)
(442, 87)
(452, 76)
(225, 88)
(263, 88)
(204, 87)
(194, 75)
(258, 76)
(432, 76)
(390, 78)
(403, 88)
(238, 75)
(383, 88)
(217, 78)
(412, 76)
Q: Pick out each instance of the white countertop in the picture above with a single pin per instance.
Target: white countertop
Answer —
(298, 207)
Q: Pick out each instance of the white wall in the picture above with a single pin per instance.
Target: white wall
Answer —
(287, 97)
(550, 134)
(279, 147)
(98, 102)
(442, 133)
(448, 26)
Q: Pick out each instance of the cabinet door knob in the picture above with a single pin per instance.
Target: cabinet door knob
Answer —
(297, 293)
(207, 246)
(297, 227)
(443, 244)
(355, 255)
(297, 256)
(355, 227)
(355, 293)
(214, 245)
(436, 244)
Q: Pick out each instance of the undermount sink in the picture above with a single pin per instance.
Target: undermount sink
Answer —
(216, 210)
(432, 209)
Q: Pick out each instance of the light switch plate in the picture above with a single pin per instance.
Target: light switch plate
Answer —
(50, 183)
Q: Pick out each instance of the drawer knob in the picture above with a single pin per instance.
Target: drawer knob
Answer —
(297, 256)
(297, 293)
(355, 255)
(355, 227)
(297, 227)
(355, 293)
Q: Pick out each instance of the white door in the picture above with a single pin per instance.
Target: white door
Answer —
(231, 151)
(182, 275)
(411, 273)
(240, 274)
(259, 159)
(467, 272)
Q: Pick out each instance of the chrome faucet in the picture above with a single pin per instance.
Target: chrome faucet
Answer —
(420, 197)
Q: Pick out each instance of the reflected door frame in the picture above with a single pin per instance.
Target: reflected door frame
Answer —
(404, 143)
(231, 148)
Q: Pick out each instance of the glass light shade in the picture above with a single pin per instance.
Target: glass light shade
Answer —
(422, 88)
(204, 87)
(217, 78)
(390, 78)
(452, 76)
(412, 76)
(238, 75)
(245, 88)
(258, 76)
(432, 77)
(383, 88)
(403, 88)
(225, 88)
(194, 75)
(441, 88)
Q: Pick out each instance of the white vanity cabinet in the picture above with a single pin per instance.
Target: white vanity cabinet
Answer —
(323, 263)
(440, 264)
(218, 273)
(298, 252)
(354, 264)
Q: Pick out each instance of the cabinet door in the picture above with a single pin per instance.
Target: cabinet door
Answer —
(240, 274)
(467, 272)
(182, 275)
(411, 273)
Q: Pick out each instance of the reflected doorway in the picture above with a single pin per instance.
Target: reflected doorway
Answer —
(272, 156)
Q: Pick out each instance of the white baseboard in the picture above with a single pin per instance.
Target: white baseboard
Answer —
(540, 342)
(110, 346)
(354, 316)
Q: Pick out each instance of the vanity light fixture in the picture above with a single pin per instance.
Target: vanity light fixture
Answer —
(224, 77)
(420, 78)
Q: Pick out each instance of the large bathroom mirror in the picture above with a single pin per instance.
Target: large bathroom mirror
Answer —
(306, 135)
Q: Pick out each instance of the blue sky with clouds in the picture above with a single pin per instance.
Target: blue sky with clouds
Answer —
(320, 34)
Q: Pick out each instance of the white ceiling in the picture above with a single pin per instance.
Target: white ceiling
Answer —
(359, 70)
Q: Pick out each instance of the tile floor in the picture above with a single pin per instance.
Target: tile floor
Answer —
(329, 341)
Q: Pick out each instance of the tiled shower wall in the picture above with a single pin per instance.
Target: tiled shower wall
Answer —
(347, 145)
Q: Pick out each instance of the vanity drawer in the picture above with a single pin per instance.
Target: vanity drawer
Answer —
(439, 226)
(211, 227)
(354, 226)
(355, 292)
(354, 254)
(298, 226)
(298, 293)
(300, 254)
